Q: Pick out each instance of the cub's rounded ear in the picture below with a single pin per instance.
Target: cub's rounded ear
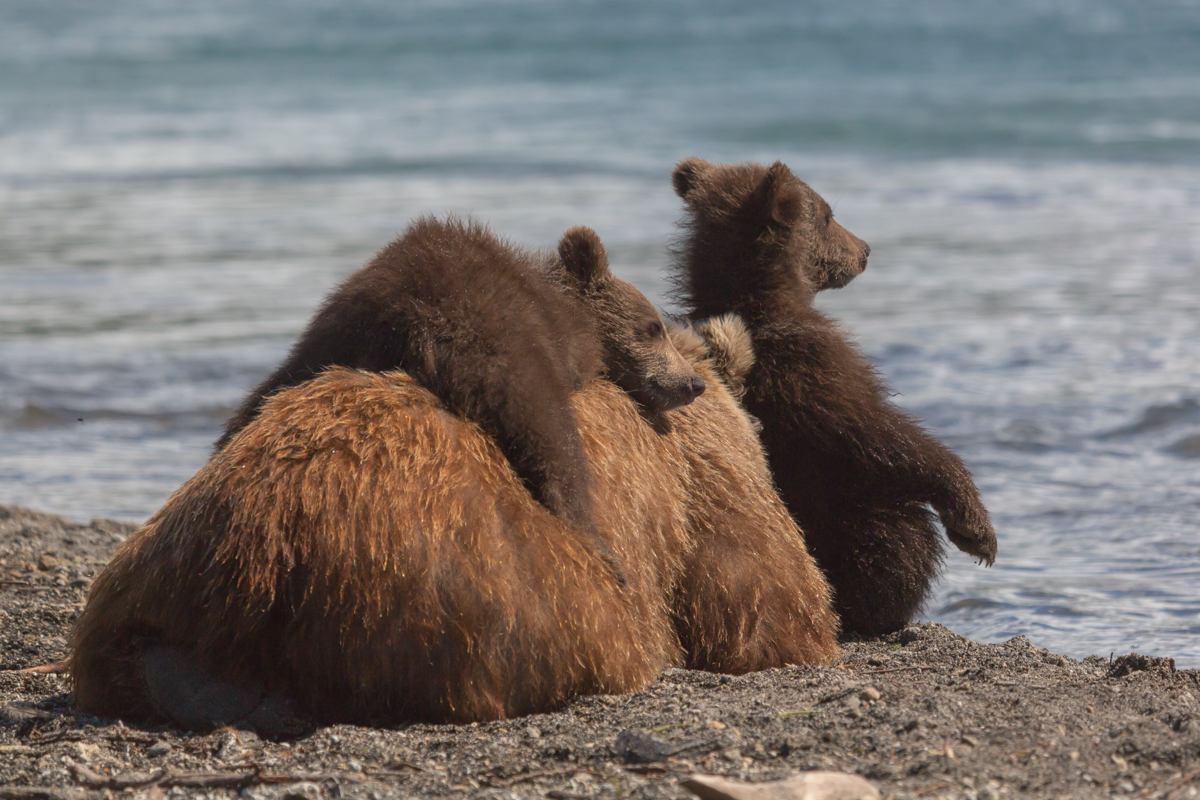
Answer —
(583, 255)
(782, 194)
(688, 173)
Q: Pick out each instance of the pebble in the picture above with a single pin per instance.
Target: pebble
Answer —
(86, 752)
(302, 791)
(870, 693)
(47, 562)
(230, 747)
(159, 748)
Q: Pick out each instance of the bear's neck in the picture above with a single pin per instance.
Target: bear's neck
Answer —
(749, 292)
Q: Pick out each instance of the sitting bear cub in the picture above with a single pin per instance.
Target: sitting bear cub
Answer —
(503, 337)
(856, 472)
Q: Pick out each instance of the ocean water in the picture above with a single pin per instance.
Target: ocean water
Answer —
(179, 185)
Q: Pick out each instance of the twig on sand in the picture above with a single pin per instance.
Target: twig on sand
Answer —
(53, 668)
(1178, 786)
(935, 787)
(541, 773)
(895, 669)
(94, 780)
(40, 793)
(198, 780)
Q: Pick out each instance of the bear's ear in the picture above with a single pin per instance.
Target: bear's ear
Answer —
(783, 200)
(688, 173)
(583, 255)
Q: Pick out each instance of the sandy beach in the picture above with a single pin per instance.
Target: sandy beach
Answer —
(923, 713)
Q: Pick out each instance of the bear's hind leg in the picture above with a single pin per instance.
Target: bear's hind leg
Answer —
(881, 564)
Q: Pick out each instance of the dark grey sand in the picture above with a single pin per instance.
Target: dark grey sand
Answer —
(923, 713)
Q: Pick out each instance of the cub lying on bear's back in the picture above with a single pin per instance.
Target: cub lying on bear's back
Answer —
(503, 337)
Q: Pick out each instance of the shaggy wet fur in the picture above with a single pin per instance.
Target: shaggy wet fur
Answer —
(857, 473)
(372, 557)
(502, 337)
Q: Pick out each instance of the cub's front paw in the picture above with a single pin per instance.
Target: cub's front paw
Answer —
(974, 537)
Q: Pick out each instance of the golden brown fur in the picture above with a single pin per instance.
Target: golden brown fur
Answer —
(372, 556)
(502, 336)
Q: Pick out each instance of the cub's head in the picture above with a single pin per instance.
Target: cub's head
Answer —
(754, 233)
(638, 354)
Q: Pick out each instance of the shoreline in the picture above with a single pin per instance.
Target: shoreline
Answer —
(923, 713)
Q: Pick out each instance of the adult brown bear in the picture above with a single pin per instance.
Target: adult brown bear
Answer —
(502, 336)
(359, 553)
(857, 473)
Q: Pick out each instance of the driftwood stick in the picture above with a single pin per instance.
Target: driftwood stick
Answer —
(164, 779)
(94, 780)
(53, 668)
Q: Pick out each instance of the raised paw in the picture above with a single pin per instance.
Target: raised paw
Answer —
(975, 538)
(977, 542)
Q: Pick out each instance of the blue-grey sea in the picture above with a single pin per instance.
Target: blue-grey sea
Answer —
(181, 182)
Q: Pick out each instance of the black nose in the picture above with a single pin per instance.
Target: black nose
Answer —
(698, 386)
(866, 249)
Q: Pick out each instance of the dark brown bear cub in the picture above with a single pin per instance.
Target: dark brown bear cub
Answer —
(856, 472)
(502, 337)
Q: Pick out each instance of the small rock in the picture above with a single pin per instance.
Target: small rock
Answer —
(732, 755)
(159, 748)
(230, 747)
(47, 562)
(805, 786)
(870, 693)
(86, 752)
(642, 748)
(970, 740)
(716, 725)
(532, 732)
(302, 791)
(853, 702)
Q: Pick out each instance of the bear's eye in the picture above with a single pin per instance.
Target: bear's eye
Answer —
(654, 330)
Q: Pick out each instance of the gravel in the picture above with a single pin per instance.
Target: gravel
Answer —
(923, 713)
